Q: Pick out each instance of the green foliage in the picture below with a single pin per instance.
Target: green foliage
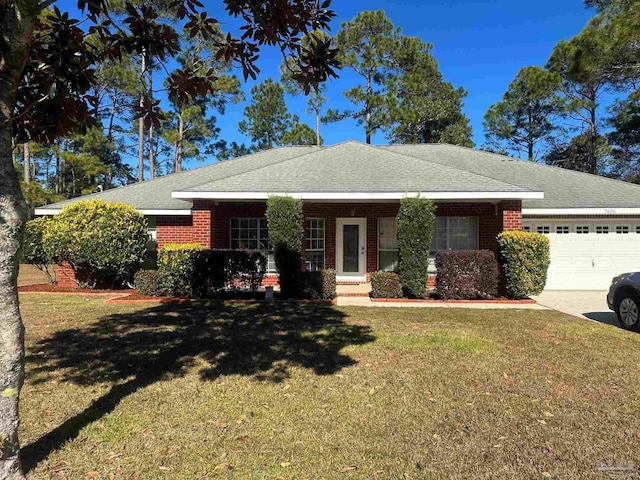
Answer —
(467, 275)
(150, 282)
(319, 285)
(300, 134)
(424, 108)
(525, 260)
(266, 119)
(284, 221)
(386, 285)
(524, 117)
(33, 252)
(177, 265)
(365, 45)
(105, 240)
(624, 139)
(196, 272)
(578, 154)
(416, 223)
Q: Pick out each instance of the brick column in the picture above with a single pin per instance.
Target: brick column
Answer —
(202, 227)
(65, 275)
(511, 215)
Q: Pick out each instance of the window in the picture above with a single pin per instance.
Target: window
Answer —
(638, 229)
(152, 243)
(622, 228)
(544, 229)
(602, 229)
(582, 229)
(455, 233)
(562, 229)
(388, 244)
(314, 247)
(252, 234)
(526, 228)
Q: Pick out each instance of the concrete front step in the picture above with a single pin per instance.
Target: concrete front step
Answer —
(360, 290)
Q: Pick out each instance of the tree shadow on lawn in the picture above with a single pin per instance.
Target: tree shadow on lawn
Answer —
(134, 350)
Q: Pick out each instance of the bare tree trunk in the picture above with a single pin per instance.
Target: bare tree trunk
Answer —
(26, 158)
(178, 165)
(318, 126)
(152, 158)
(17, 20)
(141, 124)
(367, 124)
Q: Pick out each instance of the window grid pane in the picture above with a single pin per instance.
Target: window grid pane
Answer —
(622, 229)
(252, 234)
(582, 229)
(314, 255)
(544, 229)
(388, 244)
(455, 233)
(602, 229)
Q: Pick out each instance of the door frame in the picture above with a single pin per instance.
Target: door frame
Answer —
(361, 275)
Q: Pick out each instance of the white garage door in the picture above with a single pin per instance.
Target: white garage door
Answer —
(587, 254)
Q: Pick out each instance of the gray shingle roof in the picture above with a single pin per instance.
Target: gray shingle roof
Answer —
(353, 167)
(562, 188)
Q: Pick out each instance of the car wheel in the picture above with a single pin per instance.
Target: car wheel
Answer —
(628, 310)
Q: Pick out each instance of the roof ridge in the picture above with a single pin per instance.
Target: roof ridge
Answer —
(528, 162)
(297, 157)
(450, 166)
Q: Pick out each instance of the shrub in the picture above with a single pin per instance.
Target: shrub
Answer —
(192, 270)
(33, 252)
(104, 242)
(385, 285)
(149, 282)
(176, 262)
(284, 221)
(525, 259)
(320, 285)
(468, 275)
(416, 220)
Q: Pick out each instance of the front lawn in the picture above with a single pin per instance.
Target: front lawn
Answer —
(206, 390)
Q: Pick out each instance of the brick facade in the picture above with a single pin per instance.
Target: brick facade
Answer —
(210, 222)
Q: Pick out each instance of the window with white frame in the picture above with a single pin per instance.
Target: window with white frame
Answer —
(252, 234)
(388, 258)
(152, 242)
(582, 229)
(526, 228)
(602, 229)
(455, 233)
(544, 229)
(314, 245)
(622, 229)
(562, 229)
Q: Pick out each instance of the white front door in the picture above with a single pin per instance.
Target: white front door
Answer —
(351, 249)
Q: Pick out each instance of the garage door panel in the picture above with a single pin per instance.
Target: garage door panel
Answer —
(590, 261)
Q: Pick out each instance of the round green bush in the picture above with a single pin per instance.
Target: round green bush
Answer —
(104, 242)
(149, 282)
(525, 259)
(33, 252)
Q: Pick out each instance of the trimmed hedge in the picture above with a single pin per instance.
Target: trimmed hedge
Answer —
(191, 270)
(525, 259)
(416, 223)
(385, 285)
(320, 285)
(149, 282)
(284, 221)
(33, 252)
(104, 242)
(468, 275)
(176, 263)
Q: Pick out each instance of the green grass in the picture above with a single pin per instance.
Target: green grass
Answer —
(207, 390)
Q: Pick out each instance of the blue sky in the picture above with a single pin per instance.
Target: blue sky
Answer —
(479, 44)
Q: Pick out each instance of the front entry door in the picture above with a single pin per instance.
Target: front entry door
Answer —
(351, 248)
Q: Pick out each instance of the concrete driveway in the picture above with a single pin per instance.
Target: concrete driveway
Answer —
(591, 305)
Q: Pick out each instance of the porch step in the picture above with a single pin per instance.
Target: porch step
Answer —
(353, 290)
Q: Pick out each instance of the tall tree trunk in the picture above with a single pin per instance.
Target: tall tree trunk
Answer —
(152, 157)
(141, 123)
(594, 132)
(26, 158)
(318, 126)
(178, 165)
(17, 20)
(367, 125)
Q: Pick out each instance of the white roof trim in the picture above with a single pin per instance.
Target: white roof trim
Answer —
(360, 195)
(56, 211)
(581, 211)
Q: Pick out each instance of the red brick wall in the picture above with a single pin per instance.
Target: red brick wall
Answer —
(65, 275)
(186, 229)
